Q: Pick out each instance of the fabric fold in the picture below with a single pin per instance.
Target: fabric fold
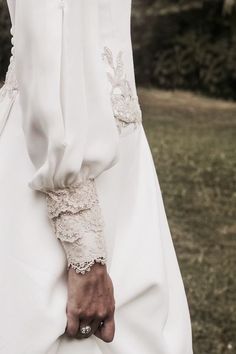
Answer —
(68, 122)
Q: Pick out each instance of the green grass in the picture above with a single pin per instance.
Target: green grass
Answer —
(193, 141)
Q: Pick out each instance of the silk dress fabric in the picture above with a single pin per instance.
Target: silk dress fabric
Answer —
(68, 39)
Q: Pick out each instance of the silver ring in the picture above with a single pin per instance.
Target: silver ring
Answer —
(85, 330)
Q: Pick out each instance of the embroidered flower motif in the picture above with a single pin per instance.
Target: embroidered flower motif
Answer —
(125, 106)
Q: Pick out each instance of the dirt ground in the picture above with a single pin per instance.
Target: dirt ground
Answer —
(193, 141)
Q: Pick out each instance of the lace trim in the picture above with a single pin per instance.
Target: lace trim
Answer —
(10, 87)
(72, 199)
(71, 226)
(125, 105)
(85, 252)
(77, 221)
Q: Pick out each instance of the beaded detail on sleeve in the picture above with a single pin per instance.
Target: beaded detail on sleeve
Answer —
(77, 221)
(125, 104)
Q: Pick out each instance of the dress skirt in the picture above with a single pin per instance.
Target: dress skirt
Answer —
(152, 315)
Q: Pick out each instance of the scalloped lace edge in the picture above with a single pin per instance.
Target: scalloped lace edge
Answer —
(83, 268)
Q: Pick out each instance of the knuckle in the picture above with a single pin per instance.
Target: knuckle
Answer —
(112, 309)
(101, 314)
(89, 314)
(73, 309)
(73, 312)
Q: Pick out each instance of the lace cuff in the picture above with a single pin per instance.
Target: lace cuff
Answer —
(77, 221)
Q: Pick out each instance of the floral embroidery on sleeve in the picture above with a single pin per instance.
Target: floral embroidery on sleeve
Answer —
(125, 105)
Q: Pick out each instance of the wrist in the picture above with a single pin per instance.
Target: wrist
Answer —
(96, 273)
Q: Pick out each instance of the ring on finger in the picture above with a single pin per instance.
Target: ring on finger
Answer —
(101, 324)
(85, 330)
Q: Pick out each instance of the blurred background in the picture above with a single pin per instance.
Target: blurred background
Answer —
(185, 63)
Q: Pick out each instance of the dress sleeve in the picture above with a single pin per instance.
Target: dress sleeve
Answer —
(68, 122)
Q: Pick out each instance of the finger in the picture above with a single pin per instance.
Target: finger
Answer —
(72, 326)
(107, 331)
(94, 326)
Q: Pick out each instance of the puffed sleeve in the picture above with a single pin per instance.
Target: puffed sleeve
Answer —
(68, 122)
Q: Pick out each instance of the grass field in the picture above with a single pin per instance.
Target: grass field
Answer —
(193, 140)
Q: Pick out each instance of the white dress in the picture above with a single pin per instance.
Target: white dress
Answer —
(78, 185)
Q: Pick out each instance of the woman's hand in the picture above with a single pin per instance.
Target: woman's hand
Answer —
(90, 302)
